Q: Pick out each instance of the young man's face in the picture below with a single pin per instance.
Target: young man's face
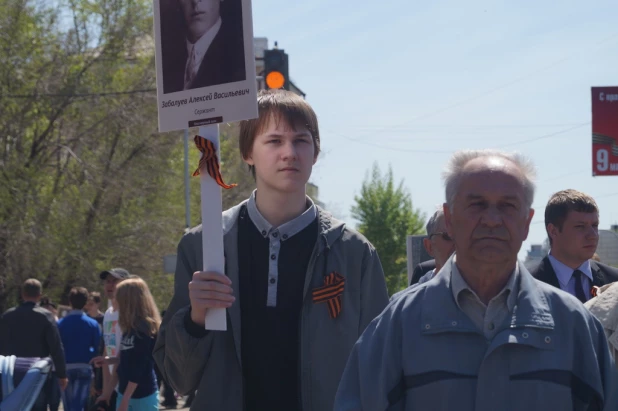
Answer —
(283, 157)
(200, 16)
(91, 306)
(110, 286)
(578, 239)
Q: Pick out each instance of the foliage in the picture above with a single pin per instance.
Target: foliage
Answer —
(86, 181)
(386, 217)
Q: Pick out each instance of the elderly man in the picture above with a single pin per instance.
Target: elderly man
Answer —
(484, 335)
(438, 244)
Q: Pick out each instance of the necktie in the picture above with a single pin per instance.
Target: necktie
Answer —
(579, 288)
(189, 72)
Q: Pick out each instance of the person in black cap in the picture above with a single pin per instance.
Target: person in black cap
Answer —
(111, 333)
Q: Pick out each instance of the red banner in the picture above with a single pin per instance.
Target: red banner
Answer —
(604, 131)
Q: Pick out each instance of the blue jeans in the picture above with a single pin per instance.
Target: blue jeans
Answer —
(75, 397)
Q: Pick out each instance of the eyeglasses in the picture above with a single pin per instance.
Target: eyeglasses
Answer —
(442, 234)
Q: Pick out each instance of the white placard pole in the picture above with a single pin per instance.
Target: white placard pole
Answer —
(212, 229)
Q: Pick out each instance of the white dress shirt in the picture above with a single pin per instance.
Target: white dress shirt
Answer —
(196, 52)
(566, 279)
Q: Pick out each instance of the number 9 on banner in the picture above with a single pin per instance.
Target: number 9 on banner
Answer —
(602, 160)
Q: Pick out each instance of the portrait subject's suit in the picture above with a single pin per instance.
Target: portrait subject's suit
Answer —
(224, 61)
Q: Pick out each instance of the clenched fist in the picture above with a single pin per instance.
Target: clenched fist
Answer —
(209, 290)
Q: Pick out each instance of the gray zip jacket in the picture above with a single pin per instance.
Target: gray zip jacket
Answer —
(212, 364)
(424, 353)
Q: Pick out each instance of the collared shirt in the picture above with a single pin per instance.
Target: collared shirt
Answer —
(198, 50)
(427, 276)
(566, 279)
(276, 235)
(487, 318)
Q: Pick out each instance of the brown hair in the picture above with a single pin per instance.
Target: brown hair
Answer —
(281, 105)
(32, 288)
(137, 310)
(78, 297)
(95, 296)
(562, 202)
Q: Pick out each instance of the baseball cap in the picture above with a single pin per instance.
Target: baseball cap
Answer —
(119, 273)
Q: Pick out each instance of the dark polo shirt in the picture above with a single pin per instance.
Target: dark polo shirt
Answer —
(273, 263)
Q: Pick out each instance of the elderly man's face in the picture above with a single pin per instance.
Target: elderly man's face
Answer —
(440, 245)
(489, 218)
(200, 16)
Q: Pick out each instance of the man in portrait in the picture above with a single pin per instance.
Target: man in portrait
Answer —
(202, 43)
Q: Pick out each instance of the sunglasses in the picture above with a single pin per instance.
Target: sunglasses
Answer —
(442, 234)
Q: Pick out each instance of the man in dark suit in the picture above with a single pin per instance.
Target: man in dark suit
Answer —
(572, 224)
(211, 51)
(421, 269)
(31, 331)
(438, 244)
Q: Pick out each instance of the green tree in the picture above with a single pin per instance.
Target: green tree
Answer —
(86, 180)
(386, 217)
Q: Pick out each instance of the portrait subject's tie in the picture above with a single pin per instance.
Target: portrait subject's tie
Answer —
(190, 71)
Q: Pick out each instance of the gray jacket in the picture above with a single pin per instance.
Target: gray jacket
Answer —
(212, 364)
(424, 353)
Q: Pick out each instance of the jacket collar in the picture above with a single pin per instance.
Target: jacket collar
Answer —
(546, 273)
(329, 228)
(598, 278)
(440, 312)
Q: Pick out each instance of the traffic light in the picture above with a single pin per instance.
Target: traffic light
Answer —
(276, 69)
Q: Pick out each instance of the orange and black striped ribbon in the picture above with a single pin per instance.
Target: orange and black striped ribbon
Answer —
(330, 293)
(209, 161)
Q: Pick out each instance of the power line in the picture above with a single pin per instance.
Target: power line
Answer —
(358, 140)
(505, 85)
(545, 136)
(79, 95)
(472, 126)
(367, 143)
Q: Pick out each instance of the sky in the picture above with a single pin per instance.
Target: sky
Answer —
(407, 83)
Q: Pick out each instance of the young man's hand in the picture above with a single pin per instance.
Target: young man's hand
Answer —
(209, 290)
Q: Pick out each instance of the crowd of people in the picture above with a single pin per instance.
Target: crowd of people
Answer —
(102, 361)
(310, 325)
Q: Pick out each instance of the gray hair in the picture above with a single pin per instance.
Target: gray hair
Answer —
(454, 170)
(432, 223)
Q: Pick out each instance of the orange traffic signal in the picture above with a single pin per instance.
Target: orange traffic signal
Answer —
(276, 69)
(275, 79)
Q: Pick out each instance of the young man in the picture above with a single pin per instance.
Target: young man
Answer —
(112, 335)
(31, 331)
(572, 224)
(81, 337)
(93, 307)
(300, 286)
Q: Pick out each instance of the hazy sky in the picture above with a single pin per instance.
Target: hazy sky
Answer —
(406, 83)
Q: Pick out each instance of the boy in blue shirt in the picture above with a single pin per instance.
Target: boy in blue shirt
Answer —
(81, 337)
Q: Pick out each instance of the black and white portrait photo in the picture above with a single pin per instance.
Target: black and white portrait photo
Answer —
(201, 43)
